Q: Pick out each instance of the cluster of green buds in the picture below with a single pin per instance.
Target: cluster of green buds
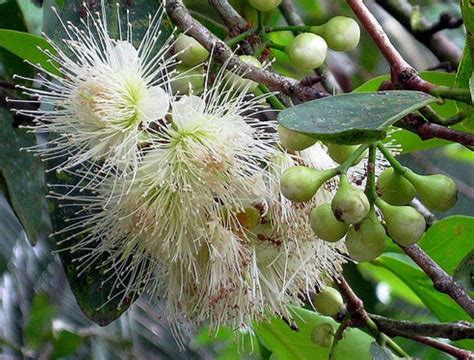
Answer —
(308, 50)
(352, 212)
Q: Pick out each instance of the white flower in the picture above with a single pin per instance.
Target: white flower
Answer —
(110, 92)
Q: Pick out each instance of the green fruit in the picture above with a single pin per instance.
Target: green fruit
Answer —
(300, 183)
(340, 153)
(405, 225)
(307, 51)
(341, 33)
(293, 140)
(237, 81)
(249, 218)
(349, 204)
(264, 5)
(328, 302)
(365, 241)
(438, 192)
(325, 225)
(188, 80)
(189, 50)
(394, 188)
(323, 335)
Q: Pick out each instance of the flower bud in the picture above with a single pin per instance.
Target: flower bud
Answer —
(341, 33)
(405, 225)
(249, 218)
(307, 51)
(325, 225)
(328, 302)
(349, 204)
(293, 140)
(323, 335)
(340, 153)
(365, 241)
(240, 82)
(188, 80)
(438, 192)
(394, 188)
(264, 5)
(189, 50)
(300, 183)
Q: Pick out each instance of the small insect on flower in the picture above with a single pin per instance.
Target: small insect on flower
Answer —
(109, 94)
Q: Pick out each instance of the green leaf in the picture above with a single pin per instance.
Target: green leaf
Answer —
(66, 343)
(27, 47)
(24, 177)
(409, 141)
(294, 345)
(464, 275)
(459, 153)
(38, 330)
(352, 118)
(449, 241)
(378, 352)
(442, 306)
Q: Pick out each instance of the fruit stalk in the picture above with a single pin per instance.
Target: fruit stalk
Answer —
(391, 159)
(342, 169)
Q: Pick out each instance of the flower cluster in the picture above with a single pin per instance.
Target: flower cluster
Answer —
(179, 193)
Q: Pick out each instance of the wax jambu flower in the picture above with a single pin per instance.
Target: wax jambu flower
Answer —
(109, 93)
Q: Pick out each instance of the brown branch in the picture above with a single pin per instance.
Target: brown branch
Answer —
(426, 130)
(448, 349)
(231, 17)
(452, 331)
(221, 53)
(439, 44)
(441, 280)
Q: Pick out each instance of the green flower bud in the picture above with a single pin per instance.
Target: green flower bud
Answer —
(323, 335)
(189, 50)
(265, 5)
(307, 51)
(328, 302)
(341, 33)
(394, 188)
(293, 140)
(405, 225)
(249, 218)
(238, 81)
(188, 80)
(438, 192)
(349, 204)
(340, 153)
(365, 241)
(300, 183)
(325, 225)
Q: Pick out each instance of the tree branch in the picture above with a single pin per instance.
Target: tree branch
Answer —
(221, 53)
(231, 17)
(452, 331)
(441, 280)
(439, 44)
(448, 349)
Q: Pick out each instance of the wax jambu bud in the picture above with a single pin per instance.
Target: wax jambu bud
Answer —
(350, 204)
(328, 302)
(394, 188)
(325, 225)
(300, 183)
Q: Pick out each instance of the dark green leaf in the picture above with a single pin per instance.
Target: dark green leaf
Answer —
(287, 344)
(24, 177)
(66, 343)
(464, 273)
(27, 47)
(352, 118)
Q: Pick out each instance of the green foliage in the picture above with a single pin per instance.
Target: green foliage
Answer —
(287, 344)
(24, 178)
(352, 118)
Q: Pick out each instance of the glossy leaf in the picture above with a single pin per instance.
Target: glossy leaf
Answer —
(28, 47)
(352, 118)
(287, 344)
(463, 274)
(24, 178)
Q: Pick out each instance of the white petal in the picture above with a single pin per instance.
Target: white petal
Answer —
(124, 56)
(188, 109)
(155, 105)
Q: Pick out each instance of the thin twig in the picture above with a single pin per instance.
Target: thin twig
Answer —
(221, 53)
(448, 349)
(439, 44)
(452, 331)
(441, 280)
